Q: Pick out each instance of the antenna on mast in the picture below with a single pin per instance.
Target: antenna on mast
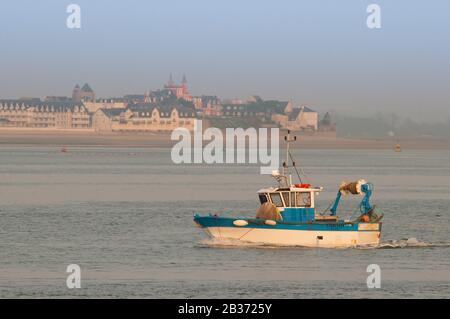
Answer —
(285, 179)
(288, 140)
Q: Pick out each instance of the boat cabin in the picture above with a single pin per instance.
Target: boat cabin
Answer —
(290, 197)
(295, 203)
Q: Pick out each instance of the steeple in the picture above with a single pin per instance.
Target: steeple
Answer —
(184, 85)
(170, 83)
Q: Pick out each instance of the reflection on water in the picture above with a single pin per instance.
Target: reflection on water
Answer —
(125, 216)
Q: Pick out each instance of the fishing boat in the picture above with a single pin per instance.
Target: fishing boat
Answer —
(288, 216)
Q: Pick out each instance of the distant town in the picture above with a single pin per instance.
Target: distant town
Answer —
(159, 110)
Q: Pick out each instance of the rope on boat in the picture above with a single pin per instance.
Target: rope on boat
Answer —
(295, 167)
(246, 233)
(301, 169)
(327, 209)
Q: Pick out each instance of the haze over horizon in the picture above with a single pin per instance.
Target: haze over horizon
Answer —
(319, 54)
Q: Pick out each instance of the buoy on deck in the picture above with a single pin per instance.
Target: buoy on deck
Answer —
(240, 222)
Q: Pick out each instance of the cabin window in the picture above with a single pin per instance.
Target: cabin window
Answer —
(303, 199)
(263, 198)
(292, 199)
(286, 198)
(276, 199)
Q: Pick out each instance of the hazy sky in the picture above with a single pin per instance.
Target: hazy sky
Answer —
(317, 52)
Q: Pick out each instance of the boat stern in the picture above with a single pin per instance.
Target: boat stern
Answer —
(369, 234)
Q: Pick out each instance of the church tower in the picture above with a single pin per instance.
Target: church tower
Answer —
(76, 93)
(184, 85)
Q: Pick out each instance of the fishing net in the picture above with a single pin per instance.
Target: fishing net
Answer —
(373, 216)
(268, 211)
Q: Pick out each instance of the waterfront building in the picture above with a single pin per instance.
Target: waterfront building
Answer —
(103, 120)
(261, 109)
(179, 91)
(208, 105)
(44, 114)
(144, 117)
(57, 99)
(105, 103)
(296, 120)
(84, 94)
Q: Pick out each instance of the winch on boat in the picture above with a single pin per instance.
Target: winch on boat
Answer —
(288, 216)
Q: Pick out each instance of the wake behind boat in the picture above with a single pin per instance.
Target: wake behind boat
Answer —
(288, 216)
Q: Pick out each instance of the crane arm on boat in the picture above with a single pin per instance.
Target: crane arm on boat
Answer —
(358, 187)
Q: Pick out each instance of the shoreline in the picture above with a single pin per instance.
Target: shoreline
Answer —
(90, 138)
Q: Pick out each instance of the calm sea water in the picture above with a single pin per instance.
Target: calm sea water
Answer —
(125, 217)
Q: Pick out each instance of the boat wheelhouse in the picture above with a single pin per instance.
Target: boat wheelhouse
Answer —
(295, 203)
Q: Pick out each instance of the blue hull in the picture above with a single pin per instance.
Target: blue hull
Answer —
(327, 234)
(216, 221)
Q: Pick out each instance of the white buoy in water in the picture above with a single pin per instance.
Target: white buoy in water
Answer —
(240, 222)
(270, 222)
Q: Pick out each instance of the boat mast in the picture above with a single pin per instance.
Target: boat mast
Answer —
(286, 172)
(284, 178)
